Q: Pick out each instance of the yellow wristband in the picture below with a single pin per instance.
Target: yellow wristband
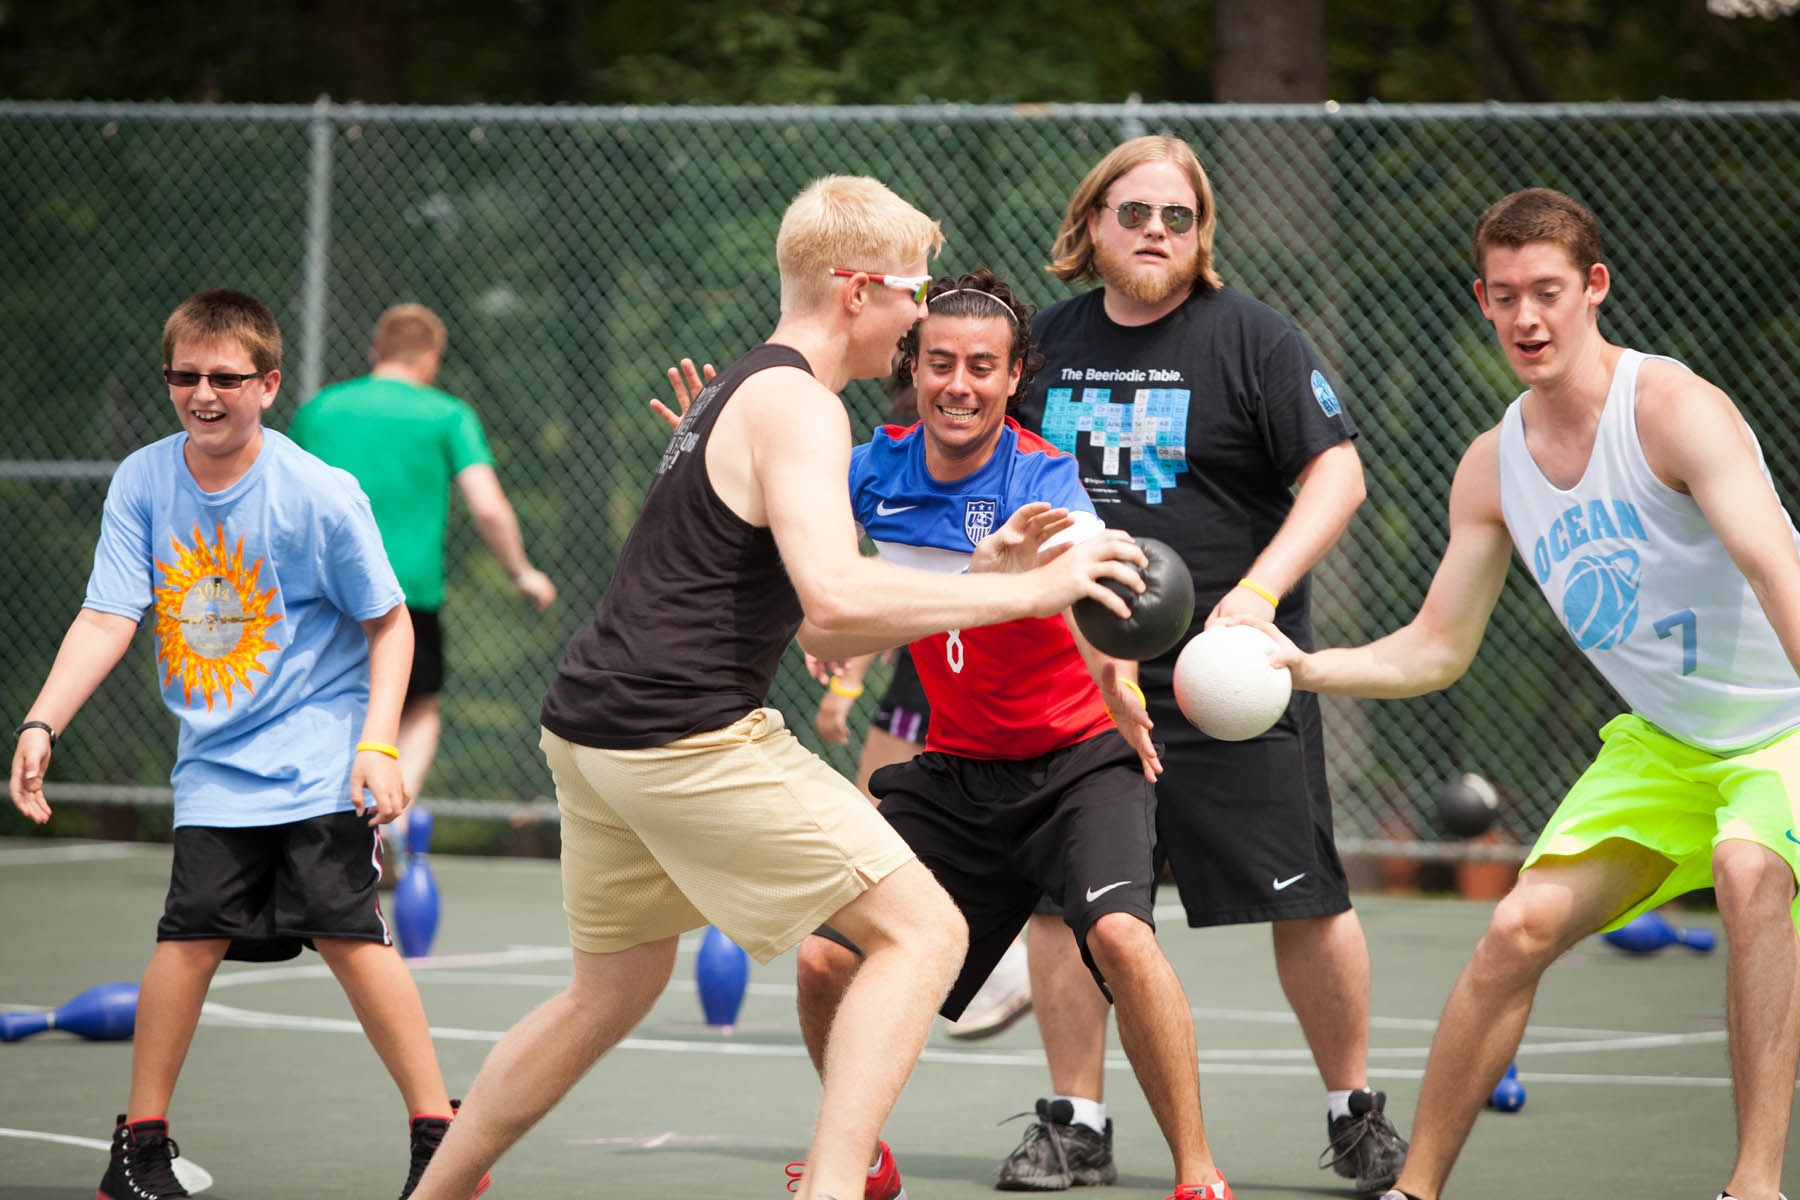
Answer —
(848, 693)
(379, 748)
(1259, 589)
(1135, 690)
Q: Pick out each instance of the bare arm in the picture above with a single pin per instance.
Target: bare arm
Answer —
(798, 438)
(1695, 440)
(92, 647)
(1330, 488)
(1437, 646)
(499, 529)
(390, 663)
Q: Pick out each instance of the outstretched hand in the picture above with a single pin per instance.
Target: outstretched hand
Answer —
(1124, 701)
(1018, 545)
(685, 382)
(1076, 572)
(1285, 653)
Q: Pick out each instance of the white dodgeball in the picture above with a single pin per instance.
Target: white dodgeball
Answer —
(1225, 685)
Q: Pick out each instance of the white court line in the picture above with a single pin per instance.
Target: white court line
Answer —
(28, 856)
(194, 1177)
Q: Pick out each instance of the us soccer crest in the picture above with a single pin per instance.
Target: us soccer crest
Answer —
(979, 518)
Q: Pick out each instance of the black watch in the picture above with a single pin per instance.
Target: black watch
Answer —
(43, 725)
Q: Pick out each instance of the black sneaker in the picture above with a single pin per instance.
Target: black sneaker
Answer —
(427, 1136)
(142, 1152)
(1056, 1153)
(1365, 1146)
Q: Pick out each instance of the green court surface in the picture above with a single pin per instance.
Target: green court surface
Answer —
(1624, 1064)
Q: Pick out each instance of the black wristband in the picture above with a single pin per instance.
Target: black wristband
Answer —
(35, 725)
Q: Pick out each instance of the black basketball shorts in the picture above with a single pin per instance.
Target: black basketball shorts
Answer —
(427, 677)
(1077, 823)
(271, 889)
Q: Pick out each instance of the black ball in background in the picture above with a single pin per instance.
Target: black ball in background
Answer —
(1159, 616)
(1467, 806)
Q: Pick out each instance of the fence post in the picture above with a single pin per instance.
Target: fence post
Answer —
(318, 250)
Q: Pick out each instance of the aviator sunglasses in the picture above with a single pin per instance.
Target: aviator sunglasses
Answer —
(1176, 218)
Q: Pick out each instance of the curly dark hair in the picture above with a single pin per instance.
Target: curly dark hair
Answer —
(980, 293)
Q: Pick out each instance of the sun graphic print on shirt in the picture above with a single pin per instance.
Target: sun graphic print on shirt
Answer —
(210, 618)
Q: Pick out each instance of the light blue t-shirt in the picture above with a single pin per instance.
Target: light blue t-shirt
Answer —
(258, 590)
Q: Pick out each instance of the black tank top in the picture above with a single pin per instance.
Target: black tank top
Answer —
(699, 610)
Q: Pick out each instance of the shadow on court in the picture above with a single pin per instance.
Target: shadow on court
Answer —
(1624, 1064)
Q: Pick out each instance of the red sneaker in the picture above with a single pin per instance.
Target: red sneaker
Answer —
(1203, 1191)
(884, 1180)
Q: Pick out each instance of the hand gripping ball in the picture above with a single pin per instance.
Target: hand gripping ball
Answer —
(1159, 616)
(1225, 685)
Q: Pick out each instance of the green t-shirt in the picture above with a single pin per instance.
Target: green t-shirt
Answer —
(404, 443)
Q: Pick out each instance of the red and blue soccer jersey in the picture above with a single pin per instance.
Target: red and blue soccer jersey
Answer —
(1010, 691)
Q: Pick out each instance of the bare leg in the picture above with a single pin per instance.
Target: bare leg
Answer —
(913, 941)
(1553, 905)
(1755, 888)
(1323, 963)
(1156, 1029)
(542, 1057)
(417, 741)
(1071, 1012)
(822, 975)
(169, 1002)
(386, 1000)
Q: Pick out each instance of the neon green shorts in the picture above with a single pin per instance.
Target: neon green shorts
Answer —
(1667, 796)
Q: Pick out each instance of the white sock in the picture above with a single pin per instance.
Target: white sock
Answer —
(1339, 1102)
(1091, 1113)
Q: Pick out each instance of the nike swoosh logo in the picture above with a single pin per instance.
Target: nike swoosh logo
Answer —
(882, 509)
(1096, 893)
(1792, 838)
(1282, 884)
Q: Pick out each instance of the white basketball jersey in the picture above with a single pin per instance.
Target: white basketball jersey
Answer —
(1644, 586)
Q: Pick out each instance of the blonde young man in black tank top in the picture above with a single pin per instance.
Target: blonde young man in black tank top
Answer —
(684, 799)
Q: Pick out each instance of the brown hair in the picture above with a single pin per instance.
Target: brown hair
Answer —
(980, 293)
(406, 333)
(1072, 254)
(1538, 215)
(220, 314)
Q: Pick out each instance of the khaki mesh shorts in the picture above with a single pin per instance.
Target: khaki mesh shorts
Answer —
(740, 827)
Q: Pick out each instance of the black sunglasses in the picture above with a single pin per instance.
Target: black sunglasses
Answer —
(1176, 218)
(224, 381)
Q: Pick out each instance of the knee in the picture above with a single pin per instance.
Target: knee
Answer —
(1752, 883)
(823, 970)
(1523, 936)
(1118, 941)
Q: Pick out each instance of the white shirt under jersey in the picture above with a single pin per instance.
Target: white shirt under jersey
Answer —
(1644, 586)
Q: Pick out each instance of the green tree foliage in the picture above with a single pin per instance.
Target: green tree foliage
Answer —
(851, 52)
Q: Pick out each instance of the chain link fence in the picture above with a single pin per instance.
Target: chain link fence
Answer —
(574, 253)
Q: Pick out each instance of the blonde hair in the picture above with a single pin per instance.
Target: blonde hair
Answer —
(220, 314)
(406, 333)
(1072, 254)
(848, 221)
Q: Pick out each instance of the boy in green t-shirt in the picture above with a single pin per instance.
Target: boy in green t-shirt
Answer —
(406, 442)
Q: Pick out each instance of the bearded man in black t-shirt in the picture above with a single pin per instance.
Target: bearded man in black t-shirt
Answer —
(1204, 418)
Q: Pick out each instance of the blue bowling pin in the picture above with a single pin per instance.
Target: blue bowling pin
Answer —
(416, 895)
(1650, 931)
(1509, 1093)
(722, 973)
(107, 1013)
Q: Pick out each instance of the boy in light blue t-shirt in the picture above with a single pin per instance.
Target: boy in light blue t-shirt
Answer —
(283, 646)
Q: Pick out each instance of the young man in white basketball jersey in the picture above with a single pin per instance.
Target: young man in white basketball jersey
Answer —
(1638, 498)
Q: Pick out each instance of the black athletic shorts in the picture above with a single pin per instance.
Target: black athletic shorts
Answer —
(904, 712)
(274, 888)
(1076, 823)
(428, 654)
